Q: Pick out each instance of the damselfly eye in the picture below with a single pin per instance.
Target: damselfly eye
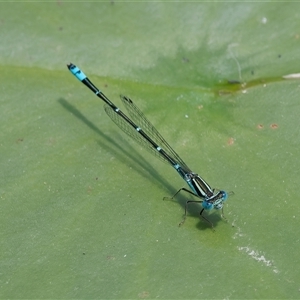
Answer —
(207, 205)
(224, 196)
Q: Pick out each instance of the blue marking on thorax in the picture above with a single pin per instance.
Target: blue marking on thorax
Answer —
(78, 73)
(185, 177)
(189, 182)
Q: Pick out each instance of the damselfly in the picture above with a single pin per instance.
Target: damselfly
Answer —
(141, 130)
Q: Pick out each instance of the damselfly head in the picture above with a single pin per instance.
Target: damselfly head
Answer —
(218, 204)
(220, 197)
(216, 201)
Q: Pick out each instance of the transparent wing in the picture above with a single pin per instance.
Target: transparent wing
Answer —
(140, 119)
(132, 132)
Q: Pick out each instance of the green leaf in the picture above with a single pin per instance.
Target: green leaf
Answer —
(82, 214)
